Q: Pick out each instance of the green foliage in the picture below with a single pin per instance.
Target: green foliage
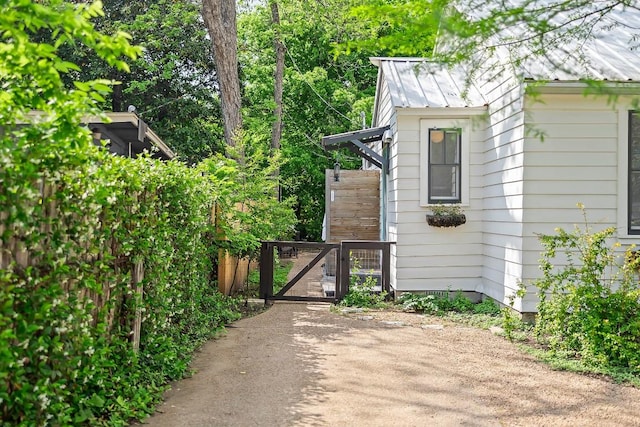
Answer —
(589, 299)
(75, 222)
(419, 303)
(446, 209)
(362, 294)
(280, 278)
(393, 26)
(513, 326)
(172, 84)
(442, 303)
(323, 94)
(66, 359)
(486, 306)
(245, 185)
(563, 362)
(478, 320)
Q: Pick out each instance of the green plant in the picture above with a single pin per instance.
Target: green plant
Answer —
(280, 278)
(437, 304)
(78, 224)
(446, 209)
(487, 306)
(419, 303)
(589, 298)
(363, 295)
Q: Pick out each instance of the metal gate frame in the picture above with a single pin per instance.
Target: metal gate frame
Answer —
(342, 267)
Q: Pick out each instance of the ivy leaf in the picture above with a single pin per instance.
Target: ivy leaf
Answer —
(95, 401)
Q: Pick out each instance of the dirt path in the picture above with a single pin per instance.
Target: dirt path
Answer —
(302, 365)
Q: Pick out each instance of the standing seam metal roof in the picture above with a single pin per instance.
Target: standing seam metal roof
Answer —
(609, 52)
(419, 83)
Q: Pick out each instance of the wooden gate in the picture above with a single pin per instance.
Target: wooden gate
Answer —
(343, 268)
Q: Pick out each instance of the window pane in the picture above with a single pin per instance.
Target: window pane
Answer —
(634, 172)
(452, 155)
(635, 201)
(436, 152)
(444, 182)
(634, 136)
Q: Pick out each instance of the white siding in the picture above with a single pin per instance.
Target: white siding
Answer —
(430, 258)
(518, 185)
(576, 163)
(503, 190)
(385, 115)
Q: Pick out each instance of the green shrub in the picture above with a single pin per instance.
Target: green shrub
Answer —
(420, 303)
(590, 305)
(438, 304)
(75, 220)
(487, 306)
(363, 294)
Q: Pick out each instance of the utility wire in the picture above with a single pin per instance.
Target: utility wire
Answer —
(314, 89)
(161, 105)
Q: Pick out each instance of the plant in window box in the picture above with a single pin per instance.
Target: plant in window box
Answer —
(446, 215)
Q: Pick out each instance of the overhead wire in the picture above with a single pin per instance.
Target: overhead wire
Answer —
(313, 89)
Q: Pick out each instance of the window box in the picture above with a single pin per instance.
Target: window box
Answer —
(446, 216)
(446, 220)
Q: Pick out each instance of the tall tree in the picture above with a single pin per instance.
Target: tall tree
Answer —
(278, 76)
(172, 84)
(220, 19)
(323, 93)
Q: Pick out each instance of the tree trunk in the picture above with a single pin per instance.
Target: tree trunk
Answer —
(278, 77)
(220, 19)
(276, 130)
(117, 98)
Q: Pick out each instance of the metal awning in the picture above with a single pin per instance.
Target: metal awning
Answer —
(356, 142)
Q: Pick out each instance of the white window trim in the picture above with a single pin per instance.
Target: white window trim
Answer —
(465, 126)
(623, 175)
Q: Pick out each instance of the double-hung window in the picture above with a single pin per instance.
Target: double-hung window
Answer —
(444, 161)
(634, 173)
(444, 165)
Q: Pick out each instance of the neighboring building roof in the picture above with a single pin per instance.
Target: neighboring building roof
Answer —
(420, 83)
(129, 135)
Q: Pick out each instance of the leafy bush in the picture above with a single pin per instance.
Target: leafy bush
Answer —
(362, 294)
(439, 304)
(75, 222)
(420, 303)
(487, 306)
(590, 306)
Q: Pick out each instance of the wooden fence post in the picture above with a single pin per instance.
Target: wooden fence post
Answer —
(137, 275)
(266, 270)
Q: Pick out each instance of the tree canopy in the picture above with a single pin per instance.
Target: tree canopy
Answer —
(324, 92)
(172, 84)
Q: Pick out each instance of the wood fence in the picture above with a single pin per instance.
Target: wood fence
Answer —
(14, 254)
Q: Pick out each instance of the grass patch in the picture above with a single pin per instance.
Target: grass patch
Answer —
(524, 334)
(566, 362)
(477, 320)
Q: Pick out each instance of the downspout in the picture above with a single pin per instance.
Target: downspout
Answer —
(387, 138)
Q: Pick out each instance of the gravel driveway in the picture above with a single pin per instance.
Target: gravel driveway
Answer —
(303, 365)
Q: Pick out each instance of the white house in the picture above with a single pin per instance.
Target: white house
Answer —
(478, 145)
